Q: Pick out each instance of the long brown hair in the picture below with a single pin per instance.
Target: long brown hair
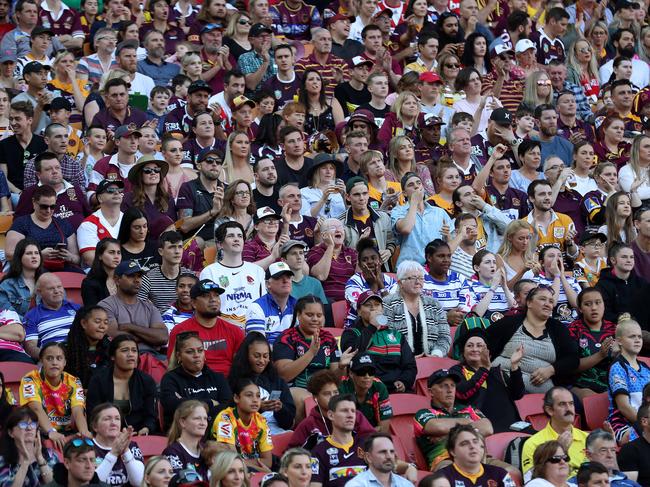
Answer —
(613, 229)
(542, 455)
(227, 209)
(161, 202)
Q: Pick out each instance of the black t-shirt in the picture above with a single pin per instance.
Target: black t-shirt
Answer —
(378, 114)
(350, 98)
(272, 201)
(288, 175)
(147, 258)
(348, 49)
(633, 457)
(15, 157)
(235, 48)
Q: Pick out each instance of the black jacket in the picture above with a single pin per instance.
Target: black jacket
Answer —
(93, 290)
(622, 296)
(380, 344)
(60, 474)
(209, 386)
(142, 393)
(566, 349)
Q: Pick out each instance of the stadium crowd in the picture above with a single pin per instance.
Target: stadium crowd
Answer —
(357, 242)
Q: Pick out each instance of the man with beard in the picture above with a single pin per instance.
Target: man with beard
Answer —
(154, 66)
(624, 41)
(243, 281)
(342, 45)
(381, 459)
(127, 58)
(266, 192)
(257, 64)
(221, 340)
(117, 112)
(552, 144)
(559, 407)
(216, 57)
(623, 100)
(201, 199)
(179, 120)
(128, 314)
(498, 131)
(448, 28)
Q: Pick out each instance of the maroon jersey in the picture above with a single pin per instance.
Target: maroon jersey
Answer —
(181, 459)
(68, 22)
(547, 49)
(333, 465)
(283, 91)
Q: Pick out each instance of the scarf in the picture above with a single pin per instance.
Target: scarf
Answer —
(410, 328)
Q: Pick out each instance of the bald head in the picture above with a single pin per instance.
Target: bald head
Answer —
(50, 289)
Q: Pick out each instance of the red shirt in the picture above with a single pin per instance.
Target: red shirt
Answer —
(221, 342)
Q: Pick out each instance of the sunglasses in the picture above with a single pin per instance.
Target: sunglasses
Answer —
(47, 207)
(555, 459)
(244, 22)
(23, 425)
(542, 82)
(451, 66)
(212, 160)
(77, 442)
(365, 372)
(114, 191)
(151, 170)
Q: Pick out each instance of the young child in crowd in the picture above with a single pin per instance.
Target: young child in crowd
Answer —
(587, 268)
(524, 122)
(158, 104)
(94, 143)
(60, 112)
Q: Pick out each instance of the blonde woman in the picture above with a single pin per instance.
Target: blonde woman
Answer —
(538, 90)
(448, 178)
(598, 36)
(5, 127)
(158, 472)
(236, 35)
(236, 163)
(401, 120)
(372, 168)
(402, 160)
(192, 66)
(637, 170)
(582, 69)
(449, 69)
(229, 470)
(95, 101)
(517, 252)
(185, 439)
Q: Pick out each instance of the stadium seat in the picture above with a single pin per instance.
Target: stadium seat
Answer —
(339, 313)
(401, 428)
(13, 373)
(310, 403)
(72, 284)
(151, 445)
(408, 404)
(531, 409)
(497, 443)
(645, 360)
(281, 443)
(426, 366)
(209, 255)
(256, 479)
(596, 409)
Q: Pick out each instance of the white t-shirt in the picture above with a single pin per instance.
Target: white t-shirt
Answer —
(243, 284)
(90, 233)
(141, 84)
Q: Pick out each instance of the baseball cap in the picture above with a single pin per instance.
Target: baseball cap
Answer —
(362, 363)
(60, 103)
(208, 151)
(187, 478)
(258, 29)
(39, 29)
(621, 4)
(126, 131)
(430, 77)
(241, 101)
(385, 11)
(501, 116)
(212, 26)
(362, 115)
(585, 237)
(353, 181)
(366, 295)
(7, 56)
(35, 67)
(501, 49)
(337, 17)
(128, 268)
(430, 120)
(291, 244)
(278, 269)
(523, 45)
(199, 85)
(104, 184)
(205, 286)
(265, 212)
(360, 61)
(442, 374)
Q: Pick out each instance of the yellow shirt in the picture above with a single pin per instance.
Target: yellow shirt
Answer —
(576, 451)
(556, 232)
(250, 439)
(377, 195)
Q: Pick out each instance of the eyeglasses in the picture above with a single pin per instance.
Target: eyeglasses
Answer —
(212, 160)
(544, 82)
(451, 66)
(23, 425)
(114, 191)
(77, 442)
(555, 459)
(47, 207)
(151, 170)
(414, 279)
(244, 22)
(242, 193)
(596, 245)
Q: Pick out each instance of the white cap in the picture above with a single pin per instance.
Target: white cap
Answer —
(523, 45)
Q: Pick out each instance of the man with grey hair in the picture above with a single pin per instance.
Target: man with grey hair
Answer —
(154, 66)
(92, 67)
(600, 447)
(333, 69)
(301, 227)
(459, 142)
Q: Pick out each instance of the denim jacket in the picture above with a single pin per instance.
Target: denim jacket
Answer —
(15, 295)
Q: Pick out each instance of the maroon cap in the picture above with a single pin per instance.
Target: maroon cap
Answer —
(366, 295)
(337, 17)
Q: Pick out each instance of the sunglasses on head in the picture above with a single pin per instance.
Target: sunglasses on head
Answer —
(209, 286)
(151, 170)
(555, 459)
(47, 207)
(186, 476)
(77, 442)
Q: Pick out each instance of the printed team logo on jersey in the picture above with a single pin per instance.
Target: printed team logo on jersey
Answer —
(225, 429)
(334, 457)
(315, 466)
(250, 279)
(346, 472)
(28, 390)
(558, 232)
(72, 195)
(223, 281)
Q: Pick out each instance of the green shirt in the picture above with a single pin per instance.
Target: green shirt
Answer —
(376, 406)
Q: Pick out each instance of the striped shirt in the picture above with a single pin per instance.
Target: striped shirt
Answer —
(357, 285)
(327, 70)
(10, 317)
(175, 316)
(92, 67)
(48, 325)
(461, 262)
(265, 316)
(447, 293)
(159, 289)
(472, 293)
(512, 92)
(562, 310)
